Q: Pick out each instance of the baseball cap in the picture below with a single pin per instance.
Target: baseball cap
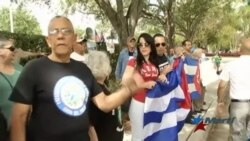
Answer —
(80, 40)
(130, 38)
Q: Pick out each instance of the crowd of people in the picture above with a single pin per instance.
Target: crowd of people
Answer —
(63, 96)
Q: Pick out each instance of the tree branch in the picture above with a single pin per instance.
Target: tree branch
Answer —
(157, 6)
(180, 26)
(108, 10)
(180, 33)
(160, 19)
(162, 5)
(119, 7)
(134, 13)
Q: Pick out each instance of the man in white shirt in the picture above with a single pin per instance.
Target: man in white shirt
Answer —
(80, 50)
(236, 75)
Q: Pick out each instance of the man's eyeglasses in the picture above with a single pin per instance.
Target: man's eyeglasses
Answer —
(11, 48)
(64, 31)
(160, 44)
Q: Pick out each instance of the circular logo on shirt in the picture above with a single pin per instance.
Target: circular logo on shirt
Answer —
(71, 95)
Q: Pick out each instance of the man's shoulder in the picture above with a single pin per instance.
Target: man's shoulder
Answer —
(124, 50)
(37, 64)
(232, 64)
(36, 61)
(73, 61)
(78, 64)
(162, 58)
(76, 56)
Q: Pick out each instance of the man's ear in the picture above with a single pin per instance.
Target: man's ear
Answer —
(75, 38)
(48, 41)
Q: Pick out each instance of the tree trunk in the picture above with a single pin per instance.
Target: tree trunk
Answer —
(124, 25)
(170, 24)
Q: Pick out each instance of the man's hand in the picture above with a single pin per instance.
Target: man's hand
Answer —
(162, 78)
(167, 69)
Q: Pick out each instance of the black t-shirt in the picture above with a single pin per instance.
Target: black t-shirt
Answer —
(107, 125)
(163, 61)
(59, 94)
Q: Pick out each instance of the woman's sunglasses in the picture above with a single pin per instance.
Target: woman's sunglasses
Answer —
(11, 48)
(140, 45)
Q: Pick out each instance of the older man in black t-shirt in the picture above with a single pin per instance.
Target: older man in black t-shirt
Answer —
(58, 89)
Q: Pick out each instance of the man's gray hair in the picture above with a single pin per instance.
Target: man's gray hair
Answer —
(99, 64)
(58, 17)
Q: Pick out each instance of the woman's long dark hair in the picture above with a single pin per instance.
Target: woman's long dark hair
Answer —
(153, 54)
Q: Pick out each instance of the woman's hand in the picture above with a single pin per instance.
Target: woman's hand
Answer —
(150, 84)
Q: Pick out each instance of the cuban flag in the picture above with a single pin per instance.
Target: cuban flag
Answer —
(192, 70)
(164, 115)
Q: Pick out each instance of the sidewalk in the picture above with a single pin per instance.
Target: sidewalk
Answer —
(187, 133)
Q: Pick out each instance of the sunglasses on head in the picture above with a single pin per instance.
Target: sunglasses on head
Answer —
(11, 48)
(160, 44)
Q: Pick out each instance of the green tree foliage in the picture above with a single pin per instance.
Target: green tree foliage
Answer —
(161, 11)
(220, 27)
(79, 31)
(244, 19)
(145, 25)
(23, 21)
(189, 15)
(122, 14)
(27, 42)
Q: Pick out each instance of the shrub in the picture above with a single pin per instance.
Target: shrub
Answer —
(37, 43)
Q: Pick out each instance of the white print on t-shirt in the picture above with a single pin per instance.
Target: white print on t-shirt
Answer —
(71, 95)
(149, 71)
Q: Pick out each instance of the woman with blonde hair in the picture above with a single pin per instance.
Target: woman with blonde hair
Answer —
(108, 126)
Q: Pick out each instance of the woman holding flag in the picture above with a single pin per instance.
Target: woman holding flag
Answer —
(175, 106)
(146, 66)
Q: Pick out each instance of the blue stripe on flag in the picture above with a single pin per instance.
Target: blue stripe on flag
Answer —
(165, 88)
(191, 61)
(190, 78)
(162, 125)
(168, 134)
(157, 116)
